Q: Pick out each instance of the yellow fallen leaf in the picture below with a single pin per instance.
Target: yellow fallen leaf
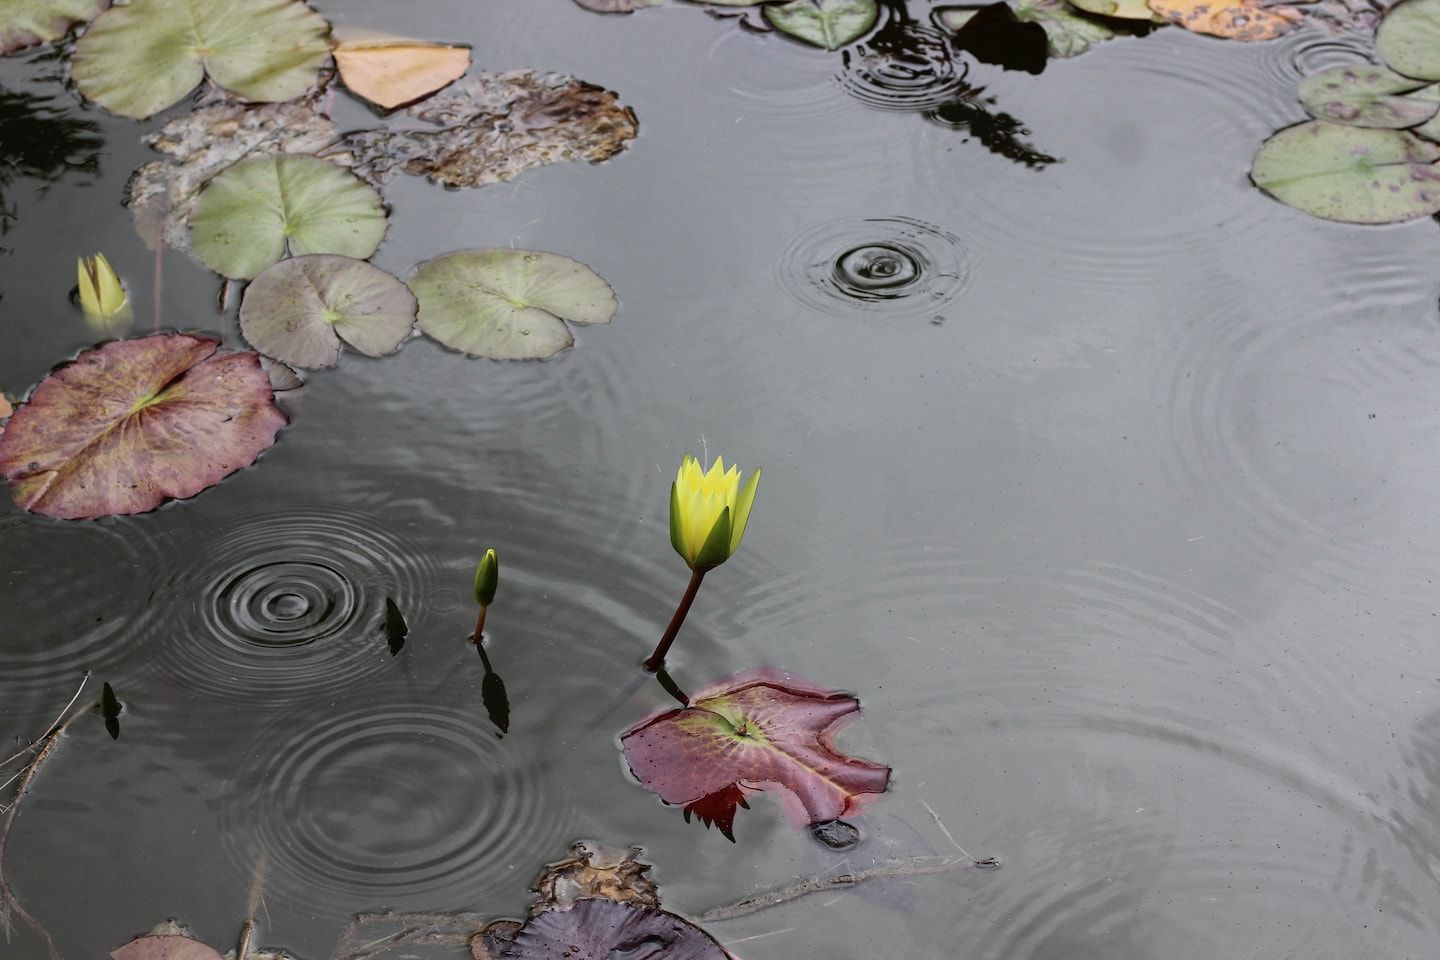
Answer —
(5, 409)
(1231, 19)
(1121, 9)
(392, 71)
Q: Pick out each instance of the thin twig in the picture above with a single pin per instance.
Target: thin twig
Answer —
(940, 823)
(418, 928)
(37, 741)
(252, 907)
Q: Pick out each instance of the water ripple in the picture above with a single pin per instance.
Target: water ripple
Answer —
(904, 66)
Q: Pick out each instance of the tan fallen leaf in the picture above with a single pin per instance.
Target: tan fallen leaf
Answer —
(1230, 19)
(393, 71)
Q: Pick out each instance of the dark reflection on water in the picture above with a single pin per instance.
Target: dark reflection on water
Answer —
(43, 140)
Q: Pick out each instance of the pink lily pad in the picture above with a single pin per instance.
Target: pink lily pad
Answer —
(124, 427)
(165, 947)
(602, 929)
(757, 730)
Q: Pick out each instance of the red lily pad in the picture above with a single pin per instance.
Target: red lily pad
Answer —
(758, 730)
(126, 426)
(602, 929)
(165, 947)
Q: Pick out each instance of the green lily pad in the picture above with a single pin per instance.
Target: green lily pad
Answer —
(139, 58)
(825, 23)
(301, 310)
(508, 304)
(1430, 129)
(1364, 96)
(24, 23)
(250, 215)
(1351, 174)
(1409, 39)
(1068, 32)
(1123, 9)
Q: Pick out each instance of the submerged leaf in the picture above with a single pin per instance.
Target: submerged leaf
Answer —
(255, 212)
(1068, 33)
(1231, 19)
(300, 310)
(606, 929)
(396, 629)
(492, 127)
(1365, 96)
(392, 71)
(825, 23)
(165, 947)
(24, 23)
(508, 304)
(141, 57)
(759, 730)
(1352, 174)
(1409, 38)
(135, 422)
(618, 6)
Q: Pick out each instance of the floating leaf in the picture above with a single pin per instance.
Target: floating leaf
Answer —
(592, 871)
(996, 35)
(1352, 174)
(165, 947)
(1068, 33)
(825, 23)
(1409, 38)
(162, 194)
(605, 929)
(255, 212)
(508, 304)
(141, 57)
(300, 310)
(1231, 19)
(1120, 9)
(396, 629)
(24, 23)
(491, 127)
(391, 71)
(619, 6)
(759, 730)
(125, 426)
(1365, 96)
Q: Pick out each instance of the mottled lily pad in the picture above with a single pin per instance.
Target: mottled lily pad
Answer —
(508, 304)
(24, 23)
(599, 929)
(1365, 96)
(1352, 174)
(255, 212)
(1067, 32)
(141, 57)
(1120, 9)
(392, 71)
(825, 23)
(759, 730)
(135, 422)
(301, 310)
(1231, 19)
(1409, 39)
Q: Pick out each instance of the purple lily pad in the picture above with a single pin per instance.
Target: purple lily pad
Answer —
(124, 427)
(165, 947)
(605, 929)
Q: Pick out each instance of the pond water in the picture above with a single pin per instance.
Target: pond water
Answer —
(1108, 485)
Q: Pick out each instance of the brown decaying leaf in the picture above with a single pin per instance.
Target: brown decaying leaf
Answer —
(5, 408)
(492, 127)
(593, 871)
(393, 71)
(1230, 19)
(165, 947)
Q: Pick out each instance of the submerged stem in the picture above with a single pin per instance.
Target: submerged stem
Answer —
(657, 659)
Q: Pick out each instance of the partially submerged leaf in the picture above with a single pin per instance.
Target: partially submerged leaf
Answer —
(508, 304)
(255, 212)
(1068, 32)
(605, 929)
(1366, 96)
(1409, 38)
(592, 871)
(1352, 174)
(135, 422)
(24, 23)
(300, 310)
(1231, 19)
(492, 127)
(758, 730)
(165, 947)
(393, 71)
(825, 23)
(396, 629)
(143, 56)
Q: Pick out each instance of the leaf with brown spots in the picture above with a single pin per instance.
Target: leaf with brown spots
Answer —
(1230, 19)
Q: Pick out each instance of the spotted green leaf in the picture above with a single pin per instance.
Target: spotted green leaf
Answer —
(1409, 39)
(825, 23)
(1365, 96)
(255, 212)
(24, 23)
(139, 58)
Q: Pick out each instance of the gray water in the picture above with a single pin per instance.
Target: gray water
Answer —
(1127, 539)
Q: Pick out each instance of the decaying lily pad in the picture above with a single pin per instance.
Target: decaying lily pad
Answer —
(593, 870)
(24, 23)
(1067, 32)
(301, 310)
(393, 71)
(508, 304)
(1352, 174)
(825, 23)
(253, 213)
(492, 127)
(165, 946)
(1409, 38)
(139, 58)
(161, 195)
(135, 422)
(1366, 96)
(1231, 19)
(604, 929)
(758, 730)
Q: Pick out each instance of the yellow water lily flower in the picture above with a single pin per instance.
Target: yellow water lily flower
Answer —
(101, 293)
(709, 511)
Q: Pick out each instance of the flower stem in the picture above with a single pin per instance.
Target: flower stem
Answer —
(479, 636)
(657, 659)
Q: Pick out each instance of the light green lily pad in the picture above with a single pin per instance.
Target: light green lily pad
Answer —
(1123, 9)
(1409, 39)
(1351, 174)
(825, 23)
(253, 213)
(300, 310)
(24, 23)
(508, 304)
(1365, 96)
(139, 58)
(1069, 33)
(1430, 129)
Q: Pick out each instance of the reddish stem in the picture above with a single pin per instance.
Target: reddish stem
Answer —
(657, 659)
(479, 636)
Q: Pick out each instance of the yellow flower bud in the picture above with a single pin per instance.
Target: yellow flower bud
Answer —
(102, 296)
(487, 578)
(709, 511)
